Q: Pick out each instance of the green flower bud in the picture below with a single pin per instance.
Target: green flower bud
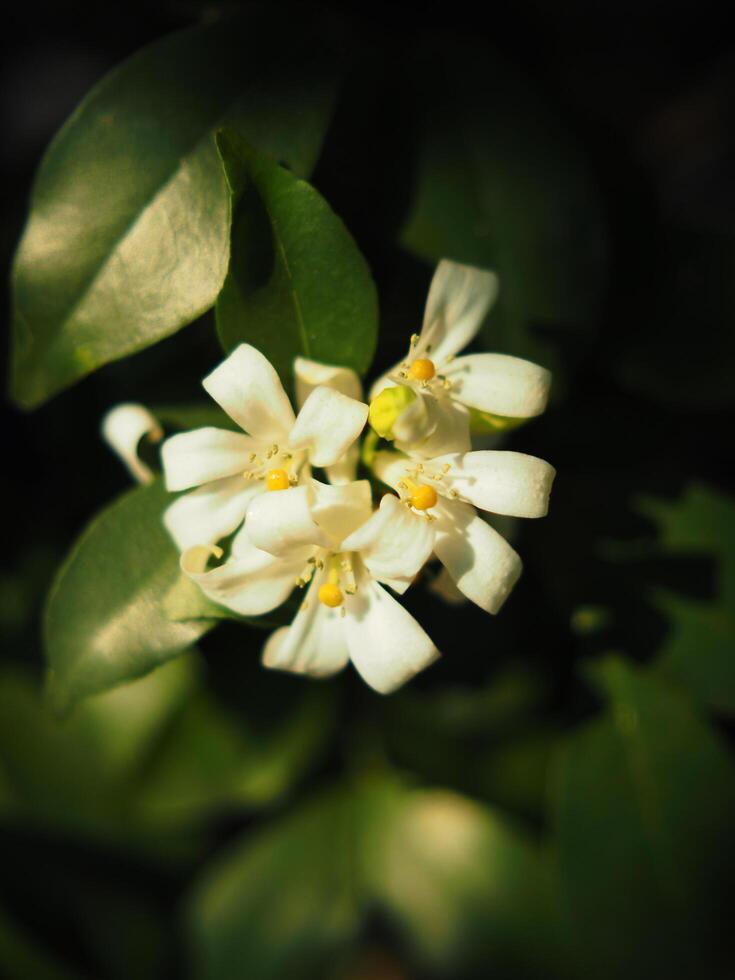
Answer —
(387, 406)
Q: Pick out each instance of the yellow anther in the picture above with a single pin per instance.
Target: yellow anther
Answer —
(423, 369)
(414, 339)
(423, 497)
(276, 480)
(330, 595)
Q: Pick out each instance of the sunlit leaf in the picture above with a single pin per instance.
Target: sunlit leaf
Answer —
(297, 282)
(645, 804)
(105, 623)
(464, 885)
(128, 236)
(459, 883)
(77, 772)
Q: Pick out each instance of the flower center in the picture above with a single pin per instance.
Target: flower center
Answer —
(422, 369)
(419, 495)
(340, 573)
(423, 497)
(330, 595)
(276, 480)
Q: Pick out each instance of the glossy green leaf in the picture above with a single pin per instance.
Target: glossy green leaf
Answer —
(128, 235)
(501, 185)
(105, 623)
(461, 885)
(645, 804)
(297, 282)
(213, 758)
(77, 773)
(464, 886)
(279, 904)
(699, 648)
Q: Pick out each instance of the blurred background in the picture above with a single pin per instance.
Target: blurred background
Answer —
(555, 798)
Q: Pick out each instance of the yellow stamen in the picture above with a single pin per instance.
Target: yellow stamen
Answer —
(423, 369)
(276, 480)
(423, 497)
(330, 595)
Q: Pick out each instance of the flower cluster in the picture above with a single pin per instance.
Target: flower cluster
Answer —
(288, 529)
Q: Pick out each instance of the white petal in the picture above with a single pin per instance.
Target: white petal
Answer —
(391, 467)
(251, 583)
(500, 384)
(281, 522)
(327, 425)
(196, 457)
(500, 481)
(481, 562)
(209, 513)
(416, 422)
(122, 428)
(459, 299)
(313, 644)
(339, 510)
(387, 645)
(394, 543)
(449, 428)
(248, 388)
(345, 470)
(310, 374)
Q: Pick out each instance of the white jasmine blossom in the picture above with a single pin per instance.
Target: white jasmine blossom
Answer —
(325, 539)
(438, 389)
(275, 450)
(122, 429)
(443, 492)
(309, 374)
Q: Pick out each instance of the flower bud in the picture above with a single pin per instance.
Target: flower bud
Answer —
(387, 406)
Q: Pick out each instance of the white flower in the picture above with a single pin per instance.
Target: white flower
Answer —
(443, 493)
(326, 538)
(443, 388)
(122, 429)
(228, 469)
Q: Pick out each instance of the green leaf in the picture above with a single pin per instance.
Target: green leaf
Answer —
(77, 773)
(128, 235)
(645, 804)
(465, 886)
(279, 904)
(459, 883)
(105, 623)
(501, 185)
(297, 283)
(214, 758)
(698, 649)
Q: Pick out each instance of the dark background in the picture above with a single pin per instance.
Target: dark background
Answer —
(648, 90)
